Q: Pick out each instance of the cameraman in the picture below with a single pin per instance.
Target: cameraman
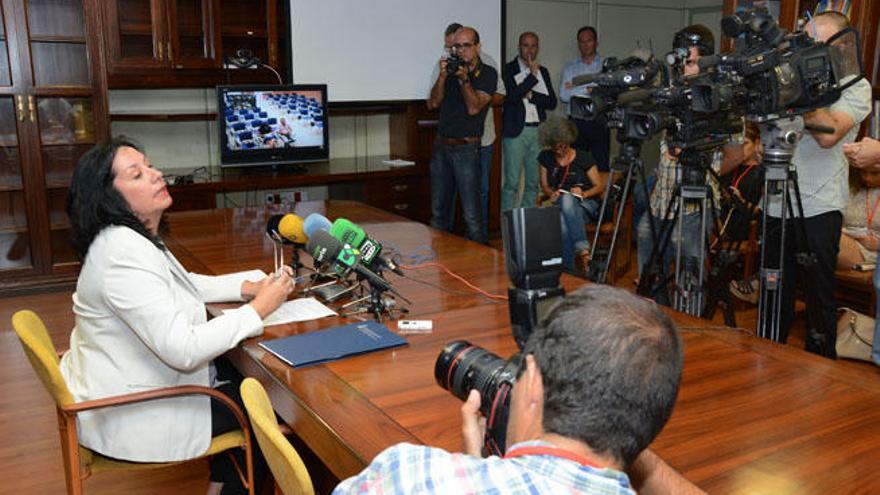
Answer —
(463, 98)
(698, 41)
(823, 181)
(598, 383)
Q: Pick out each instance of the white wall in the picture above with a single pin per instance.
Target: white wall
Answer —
(620, 24)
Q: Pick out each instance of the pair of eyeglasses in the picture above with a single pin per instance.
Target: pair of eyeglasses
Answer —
(459, 46)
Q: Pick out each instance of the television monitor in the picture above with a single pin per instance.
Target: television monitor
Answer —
(272, 124)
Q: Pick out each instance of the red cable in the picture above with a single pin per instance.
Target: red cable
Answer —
(457, 277)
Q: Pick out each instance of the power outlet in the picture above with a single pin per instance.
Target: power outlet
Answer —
(272, 198)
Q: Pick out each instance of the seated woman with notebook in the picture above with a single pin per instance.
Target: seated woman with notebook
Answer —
(141, 321)
(861, 225)
(571, 181)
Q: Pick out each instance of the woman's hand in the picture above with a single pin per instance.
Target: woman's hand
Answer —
(869, 241)
(554, 196)
(272, 292)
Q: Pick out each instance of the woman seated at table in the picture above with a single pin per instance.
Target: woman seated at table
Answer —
(861, 224)
(141, 321)
(571, 180)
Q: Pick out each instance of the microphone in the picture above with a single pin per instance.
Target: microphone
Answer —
(289, 227)
(314, 223)
(348, 232)
(325, 249)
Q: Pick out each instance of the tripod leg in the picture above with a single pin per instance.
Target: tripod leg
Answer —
(601, 270)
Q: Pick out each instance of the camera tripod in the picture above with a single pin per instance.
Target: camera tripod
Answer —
(627, 162)
(780, 138)
(689, 293)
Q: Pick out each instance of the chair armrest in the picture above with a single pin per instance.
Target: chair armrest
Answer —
(161, 393)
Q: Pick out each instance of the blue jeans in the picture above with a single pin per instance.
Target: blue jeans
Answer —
(690, 250)
(575, 214)
(876, 350)
(520, 157)
(456, 167)
(486, 153)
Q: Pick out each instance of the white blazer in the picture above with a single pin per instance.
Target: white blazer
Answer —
(141, 324)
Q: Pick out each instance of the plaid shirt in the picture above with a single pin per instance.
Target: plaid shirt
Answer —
(407, 468)
(667, 177)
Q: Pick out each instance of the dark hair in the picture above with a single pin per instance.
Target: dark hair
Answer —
(696, 35)
(587, 28)
(557, 130)
(265, 128)
(752, 132)
(93, 203)
(451, 29)
(611, 365)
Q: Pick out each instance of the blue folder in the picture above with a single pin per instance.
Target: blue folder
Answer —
(333, 343)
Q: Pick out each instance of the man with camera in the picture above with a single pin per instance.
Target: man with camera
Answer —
(822, 177)
(696, 41)
(529, 98)
(593, 136)
(597, 383)
(462, 92)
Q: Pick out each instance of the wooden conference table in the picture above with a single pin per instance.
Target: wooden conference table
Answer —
(752, 416)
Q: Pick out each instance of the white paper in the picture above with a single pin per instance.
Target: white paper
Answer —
(541, 87)
(399, 163)
(249, 275)
(304, 309)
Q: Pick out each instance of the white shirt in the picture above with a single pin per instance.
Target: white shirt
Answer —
(531, 109)
(823, 173)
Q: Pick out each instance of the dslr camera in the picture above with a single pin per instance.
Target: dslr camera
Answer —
(453, 63)
(462, 366)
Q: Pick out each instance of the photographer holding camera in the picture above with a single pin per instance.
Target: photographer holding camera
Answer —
(598, 382)
(697, 41)
(822, 176)
(462, 92)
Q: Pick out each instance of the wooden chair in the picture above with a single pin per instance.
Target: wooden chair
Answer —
(856, 290)
(80, 462)
(290, 473)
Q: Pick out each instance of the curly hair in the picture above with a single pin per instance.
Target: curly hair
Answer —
(93, 203)
(557, 130)
(611, 366)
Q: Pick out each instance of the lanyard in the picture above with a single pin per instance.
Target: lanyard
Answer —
(565, 175)
(552, 451)
(869, 212)
(740, 178)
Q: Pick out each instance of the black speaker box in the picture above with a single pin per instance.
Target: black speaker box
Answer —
(532, 246)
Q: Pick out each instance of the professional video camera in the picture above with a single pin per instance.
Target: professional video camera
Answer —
(616, 78)
(774, 73)
(462, 367)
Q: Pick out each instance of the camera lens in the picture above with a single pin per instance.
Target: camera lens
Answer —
(462, 367)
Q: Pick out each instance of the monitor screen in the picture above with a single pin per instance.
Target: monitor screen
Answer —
(272, 124)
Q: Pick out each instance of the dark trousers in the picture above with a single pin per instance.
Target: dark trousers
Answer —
(222, 421)
(456, 167)
(818, 282)
(595, 138)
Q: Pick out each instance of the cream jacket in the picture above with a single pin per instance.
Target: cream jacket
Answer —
(141, 324)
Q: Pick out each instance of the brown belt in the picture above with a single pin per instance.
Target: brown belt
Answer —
(461, 140)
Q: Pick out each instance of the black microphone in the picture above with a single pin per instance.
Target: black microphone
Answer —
(325, 249)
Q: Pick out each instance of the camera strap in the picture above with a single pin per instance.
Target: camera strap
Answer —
(551, 451)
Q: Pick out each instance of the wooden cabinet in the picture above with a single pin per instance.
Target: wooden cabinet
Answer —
(176, 34)
(52, 110)
(183, 43)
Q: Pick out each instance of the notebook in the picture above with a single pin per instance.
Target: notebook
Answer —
(333, 343)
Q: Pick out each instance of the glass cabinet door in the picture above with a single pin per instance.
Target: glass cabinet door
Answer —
(15, 240)
(193, 34)
(137, 36)
(15, 236)
(65, 125)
